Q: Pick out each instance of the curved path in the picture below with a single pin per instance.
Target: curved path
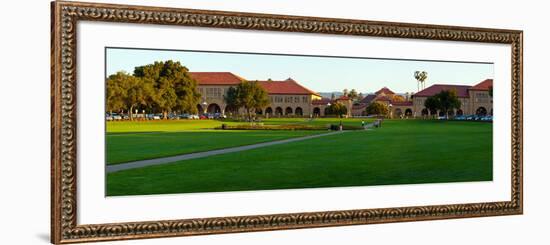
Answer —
(164, 160)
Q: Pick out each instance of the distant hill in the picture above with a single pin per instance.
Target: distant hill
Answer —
(338, 94)
(328, 94)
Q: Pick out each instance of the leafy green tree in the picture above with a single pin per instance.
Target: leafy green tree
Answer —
(249, 95)
(445, 101)
(116, 92)
(360, 97)
(448, 101)
(337, 109)
(165, 98)
(126, 91)
(353, 95)
(432, 104)
(231, 100)
(397, 98)
(345, 92)
(174, 88)
(377, 108)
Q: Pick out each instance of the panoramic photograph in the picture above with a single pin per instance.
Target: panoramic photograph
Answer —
(191, 121)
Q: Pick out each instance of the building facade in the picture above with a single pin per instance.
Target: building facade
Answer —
(287, 97)
(399, 107)
(475, 99)
(213, 87)
(290, 98)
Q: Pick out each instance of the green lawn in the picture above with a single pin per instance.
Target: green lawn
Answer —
(163, 125)
(139, 140)
(401, 152)
(317, 121)
(129, 147)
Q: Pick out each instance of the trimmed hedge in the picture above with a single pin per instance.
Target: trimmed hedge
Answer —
(344, 127)
(270, 127)
(285, 127)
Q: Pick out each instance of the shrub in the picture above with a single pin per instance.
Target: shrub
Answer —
(271, 127)
(377, 108)
(286, 127)
(336, 109)
(344, 127)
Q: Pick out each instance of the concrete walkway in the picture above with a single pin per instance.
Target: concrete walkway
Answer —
(164, 160)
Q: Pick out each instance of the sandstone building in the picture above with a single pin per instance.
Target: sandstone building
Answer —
(289, 98)
(474, 99)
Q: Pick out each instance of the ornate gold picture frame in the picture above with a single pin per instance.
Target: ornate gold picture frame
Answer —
(64, 188)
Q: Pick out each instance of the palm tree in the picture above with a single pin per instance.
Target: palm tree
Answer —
(420, 79)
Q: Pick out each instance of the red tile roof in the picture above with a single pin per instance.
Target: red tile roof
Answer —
(382, 98)
(287, 86)
(384, 90)
(216, 78)
(461, 90)
(368, 99)
(322, 101)
(343, 97)
(484, 85)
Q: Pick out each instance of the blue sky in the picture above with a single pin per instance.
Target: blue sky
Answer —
(321, 74)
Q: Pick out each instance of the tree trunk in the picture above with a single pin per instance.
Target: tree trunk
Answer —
(131, 113)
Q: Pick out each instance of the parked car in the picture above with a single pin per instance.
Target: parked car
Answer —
(486, 118)
(108, 117)
(219, 116)
(116, 117)
(470, 117)
(461, 117)
(183, 116)
(157, 116)
(193, 116)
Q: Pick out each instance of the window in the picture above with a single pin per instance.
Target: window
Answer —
(288, 99)
(213, 92)
(482, 97)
